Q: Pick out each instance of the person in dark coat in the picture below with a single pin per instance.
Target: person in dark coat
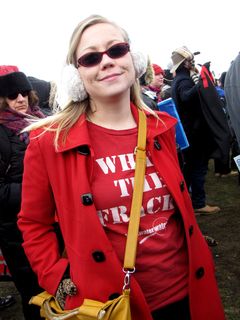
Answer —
(186, 98)
(232, 94)
(18, 105)
(47, 93)
(166, 91)
(223, 165)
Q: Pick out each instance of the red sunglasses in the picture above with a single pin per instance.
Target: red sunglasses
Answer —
(94, 58)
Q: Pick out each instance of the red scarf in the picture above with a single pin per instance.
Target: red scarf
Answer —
(158, 92)
(17, 121)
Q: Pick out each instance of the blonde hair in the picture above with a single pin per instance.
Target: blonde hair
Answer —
(67, 116)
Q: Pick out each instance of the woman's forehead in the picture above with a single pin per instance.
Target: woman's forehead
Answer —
(99, 33)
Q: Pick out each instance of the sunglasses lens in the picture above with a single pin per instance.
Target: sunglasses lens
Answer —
(118, 50)
(93, 58)
(90, 59)
(24, 93)
(15, 95)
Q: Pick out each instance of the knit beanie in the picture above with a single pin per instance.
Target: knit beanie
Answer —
(157, 69)
(12, 81)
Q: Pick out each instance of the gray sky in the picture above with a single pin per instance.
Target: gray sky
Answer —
(34, 34)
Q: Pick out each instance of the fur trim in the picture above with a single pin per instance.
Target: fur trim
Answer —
(53, 95)
(140, 63)
(149, 74)
(73, 83)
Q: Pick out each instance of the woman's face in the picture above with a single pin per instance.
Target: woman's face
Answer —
(157, 81)
(20, 103)
(111, 77)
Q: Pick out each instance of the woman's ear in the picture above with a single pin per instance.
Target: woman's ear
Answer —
(139, 62)
(73, 83)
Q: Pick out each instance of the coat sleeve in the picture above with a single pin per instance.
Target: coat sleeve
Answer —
(10, 194)
(10, 190)
(187, 90)
(36, 220)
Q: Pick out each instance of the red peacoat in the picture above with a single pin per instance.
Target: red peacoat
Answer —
(58, 184)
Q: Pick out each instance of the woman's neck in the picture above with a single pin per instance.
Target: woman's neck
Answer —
(112, 114)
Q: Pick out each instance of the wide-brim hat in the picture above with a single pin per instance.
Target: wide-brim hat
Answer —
(178, 56)
(14, 82)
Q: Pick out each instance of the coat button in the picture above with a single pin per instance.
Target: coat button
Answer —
(157, 145)
(200, 273)
(114, 296)
(87, 199)
(190, 230)
(182, 186)
(98, 256)
(83, 150)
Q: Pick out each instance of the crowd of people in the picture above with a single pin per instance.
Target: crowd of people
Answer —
(67, 177)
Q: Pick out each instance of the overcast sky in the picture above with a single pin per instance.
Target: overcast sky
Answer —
(35, 34)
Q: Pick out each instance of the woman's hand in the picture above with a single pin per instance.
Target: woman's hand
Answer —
(66, 287)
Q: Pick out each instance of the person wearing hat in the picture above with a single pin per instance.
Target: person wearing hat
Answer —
(18, 106)
(47, 94)
(151, 85)
(157, 82)
(186, 98)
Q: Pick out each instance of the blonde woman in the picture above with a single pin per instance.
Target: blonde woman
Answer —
(79, 170)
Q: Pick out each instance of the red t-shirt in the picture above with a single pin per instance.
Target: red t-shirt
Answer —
(161, 263)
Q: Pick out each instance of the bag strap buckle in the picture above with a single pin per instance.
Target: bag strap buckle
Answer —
(126, 282)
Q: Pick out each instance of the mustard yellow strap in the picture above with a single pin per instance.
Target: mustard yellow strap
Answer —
(40, 298)
(131, 244)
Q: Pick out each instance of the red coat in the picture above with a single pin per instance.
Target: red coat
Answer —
(59, 182)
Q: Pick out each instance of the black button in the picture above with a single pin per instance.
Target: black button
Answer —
(114, 296)
(182, 186)
(87, 199)
(98, 256)
(157, 145)
(200, 273)
(84, 150)
(190, 230)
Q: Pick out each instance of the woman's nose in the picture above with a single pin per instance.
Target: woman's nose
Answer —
(20, 97)
(106, 60)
